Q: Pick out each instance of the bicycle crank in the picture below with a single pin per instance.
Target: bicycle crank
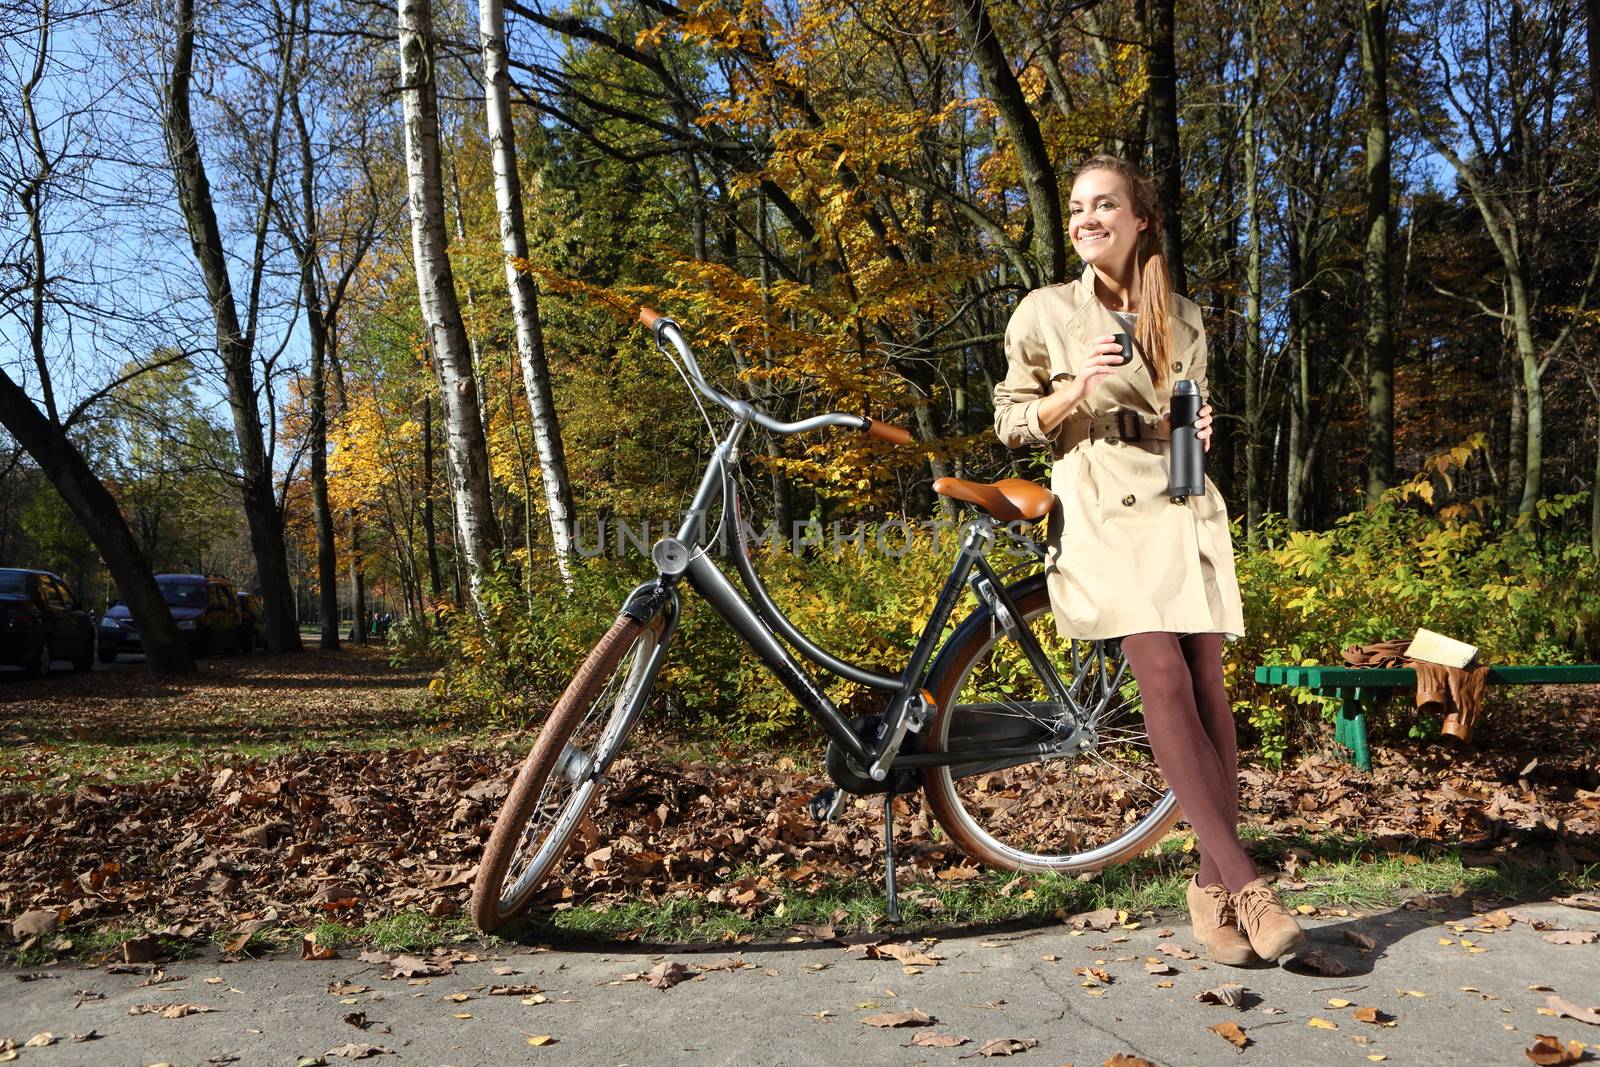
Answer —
(856, 779)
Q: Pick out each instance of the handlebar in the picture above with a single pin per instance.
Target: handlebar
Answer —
(666, 332)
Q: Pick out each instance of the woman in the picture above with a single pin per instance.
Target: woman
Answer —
(1126, 560)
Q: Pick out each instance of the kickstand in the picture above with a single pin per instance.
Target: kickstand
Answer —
(891, 895)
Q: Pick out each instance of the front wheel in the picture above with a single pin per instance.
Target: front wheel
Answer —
(563, 774)
(1091, 794)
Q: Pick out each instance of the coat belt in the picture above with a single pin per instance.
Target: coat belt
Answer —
(1117, 426)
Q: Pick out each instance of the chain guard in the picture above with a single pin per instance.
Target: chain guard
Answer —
(852, 779)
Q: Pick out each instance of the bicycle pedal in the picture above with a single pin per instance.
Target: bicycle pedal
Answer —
(826, 805)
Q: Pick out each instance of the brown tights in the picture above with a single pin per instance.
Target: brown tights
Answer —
(1192, 735)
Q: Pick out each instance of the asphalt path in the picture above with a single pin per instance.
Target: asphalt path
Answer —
(1468, 993)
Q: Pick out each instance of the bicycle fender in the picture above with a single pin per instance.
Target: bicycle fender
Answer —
(979, 621)
(647, 600)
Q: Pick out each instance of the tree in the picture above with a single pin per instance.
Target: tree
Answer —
(235, 340)
(1165, 159)
(44, 157)
(465, 450)
(1373, 18)
(524, 293)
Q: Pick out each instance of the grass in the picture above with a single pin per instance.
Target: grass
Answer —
(1342, 872)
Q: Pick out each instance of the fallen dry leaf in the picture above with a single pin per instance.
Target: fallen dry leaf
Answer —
(1547, 1051)
(34, 923)
(932, 1040)
(1229, 995)
(663, 975)
(899, 1018)
(354, 1051)
(310, 950)
(1321, 963)
(1094, 975)
(1231, 1033)
(1003, 1046)
(1319, 1023)
(1102, 919)
(909, 955)
(1572, 937)
(170, 1011)
(1178, 952)
(540, 1040)
(412, 967)
(1124, 1059)
(1572, 1011)
(42, 1039)
(147, 948)
(1372, 1015)
(1362, 942)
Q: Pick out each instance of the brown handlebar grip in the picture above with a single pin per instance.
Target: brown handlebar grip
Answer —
(887, 432)
(650, 316)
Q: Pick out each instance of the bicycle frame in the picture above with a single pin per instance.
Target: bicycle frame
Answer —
(759, 623)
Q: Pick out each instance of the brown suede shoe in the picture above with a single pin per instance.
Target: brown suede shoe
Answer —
(1216, 924)
(1267, 923)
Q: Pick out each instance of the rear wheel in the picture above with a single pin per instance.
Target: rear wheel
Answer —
(38, 664)
(564, 773)
(1094, 797)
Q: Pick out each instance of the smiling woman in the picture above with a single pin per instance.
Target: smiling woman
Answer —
(1123, 562)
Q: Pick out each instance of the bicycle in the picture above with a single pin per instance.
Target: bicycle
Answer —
(1030, 749)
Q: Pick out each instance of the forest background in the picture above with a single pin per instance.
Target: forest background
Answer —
(339, 299)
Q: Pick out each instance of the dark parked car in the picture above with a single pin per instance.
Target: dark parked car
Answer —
(252, 623)
(41, 621)
(206, 609)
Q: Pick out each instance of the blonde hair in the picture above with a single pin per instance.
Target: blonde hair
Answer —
(1154, 329)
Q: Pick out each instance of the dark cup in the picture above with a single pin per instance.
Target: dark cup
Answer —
(1127, 348)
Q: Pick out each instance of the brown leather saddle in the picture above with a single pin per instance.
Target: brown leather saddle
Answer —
(1008, 500)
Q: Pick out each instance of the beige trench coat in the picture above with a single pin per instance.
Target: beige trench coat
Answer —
(1122, 558)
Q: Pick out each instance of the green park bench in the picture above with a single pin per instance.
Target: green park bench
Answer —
(1354, 687)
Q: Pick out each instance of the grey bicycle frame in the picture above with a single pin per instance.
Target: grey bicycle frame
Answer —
(759, 621)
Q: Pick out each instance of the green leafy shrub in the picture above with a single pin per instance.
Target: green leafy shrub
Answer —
(1519, 592)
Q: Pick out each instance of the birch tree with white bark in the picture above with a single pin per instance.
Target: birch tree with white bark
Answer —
(466, 452)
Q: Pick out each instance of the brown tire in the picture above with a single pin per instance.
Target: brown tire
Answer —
(563, 774)
(1099, 803)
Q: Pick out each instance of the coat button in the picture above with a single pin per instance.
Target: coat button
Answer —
(1177, 365)
(1127, 501)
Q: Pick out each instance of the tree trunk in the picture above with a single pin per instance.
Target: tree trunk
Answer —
(1038, 175)
(465, 448)
(234, 347)
(1533, 390)
(1592, 33)
(435, 586)
(1379, 338)
(1166, 162)
(1594, 488)
(96, 510)
(1254, 420)
(317, 328)
(524, 293)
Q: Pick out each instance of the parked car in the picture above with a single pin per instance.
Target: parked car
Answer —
(252, 624)
(41, 621)
(205, 607)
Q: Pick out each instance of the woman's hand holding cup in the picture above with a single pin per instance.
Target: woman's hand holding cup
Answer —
(1106, 354)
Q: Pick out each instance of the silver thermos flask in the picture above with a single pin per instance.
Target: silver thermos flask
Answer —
(1188, 454)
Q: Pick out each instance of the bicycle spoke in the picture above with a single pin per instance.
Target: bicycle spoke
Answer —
(1070, 803)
